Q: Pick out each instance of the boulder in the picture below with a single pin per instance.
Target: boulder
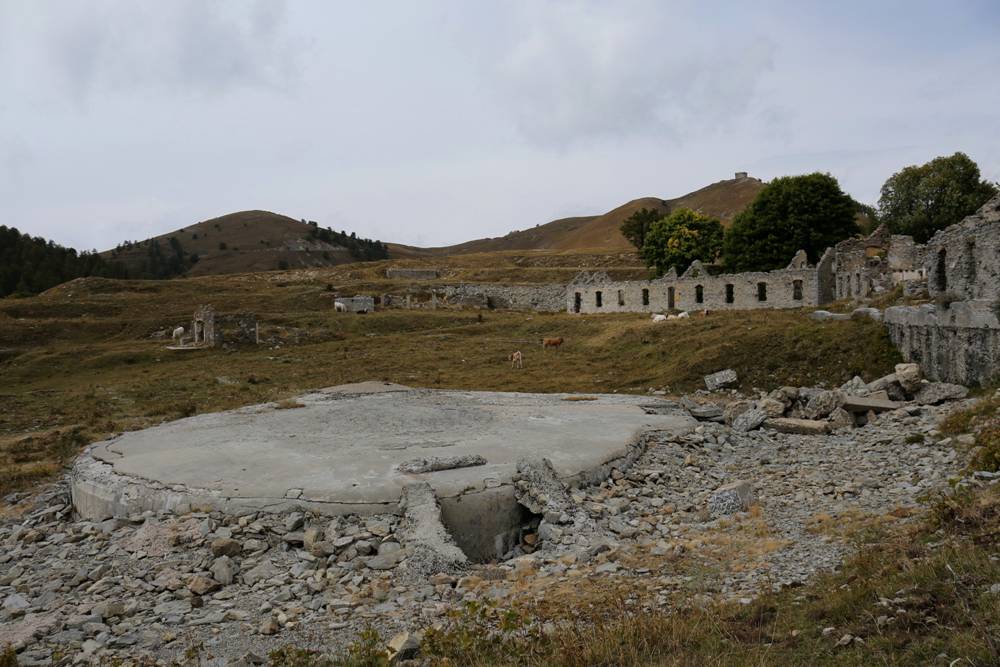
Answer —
(841, 418)
(908, 376)
(932, 393)
(870, 313)
(797, 426)
(225, 546)
(855, 387)
(706, 412)
(721, 380)
(731, 498)
(771, 406)
(822, 404)
(734, 410)
(404, 646)
(224, 570)
(201, 585)
(749, 420)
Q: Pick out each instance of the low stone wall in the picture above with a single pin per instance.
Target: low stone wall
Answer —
(547, 298)
(411, 274)
(958, 344)
(786, 288)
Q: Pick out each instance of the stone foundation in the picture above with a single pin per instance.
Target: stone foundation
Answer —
(960, 343)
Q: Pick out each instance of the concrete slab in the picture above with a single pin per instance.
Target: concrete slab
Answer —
(339, 452)
(866, 403)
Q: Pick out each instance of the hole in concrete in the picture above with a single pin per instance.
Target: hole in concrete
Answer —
(491, 525)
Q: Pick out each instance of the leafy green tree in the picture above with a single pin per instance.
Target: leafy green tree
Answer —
(680, 238)
(636, 226)
(789, 214)
(920, 200)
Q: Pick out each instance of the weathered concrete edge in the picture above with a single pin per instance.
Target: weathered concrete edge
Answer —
(98, 492)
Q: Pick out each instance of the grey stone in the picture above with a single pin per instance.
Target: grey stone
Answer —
(822, 404)
(721, 380)
(224, 570)
(749, 420)
(731, 498)
(933, 393)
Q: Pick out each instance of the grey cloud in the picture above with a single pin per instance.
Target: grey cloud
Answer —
(580, 71)
(207, 47)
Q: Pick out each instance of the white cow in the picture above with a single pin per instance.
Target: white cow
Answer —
(684, 315)
(659, 318)
(178, 335)
(339, 306)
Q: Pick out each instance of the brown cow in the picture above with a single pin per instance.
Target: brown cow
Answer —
(552, 342)
(516, 359)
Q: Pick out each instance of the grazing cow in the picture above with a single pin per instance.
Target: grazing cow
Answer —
(552, 342)
(339, 306)
(659, 318)
(178, 335)
(516, 359)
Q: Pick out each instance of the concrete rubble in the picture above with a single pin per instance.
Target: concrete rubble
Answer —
(240, 584)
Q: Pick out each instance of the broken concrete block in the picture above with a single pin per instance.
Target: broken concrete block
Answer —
(866, 404)
(731, 498)
(721, 380)
(933, 393)
(797, 426)
(706, 412)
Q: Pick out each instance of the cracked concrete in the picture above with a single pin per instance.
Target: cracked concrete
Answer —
(339, 454)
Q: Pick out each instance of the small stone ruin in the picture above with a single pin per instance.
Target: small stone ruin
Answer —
(209, 329)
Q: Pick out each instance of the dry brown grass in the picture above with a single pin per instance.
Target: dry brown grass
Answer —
(81, 356)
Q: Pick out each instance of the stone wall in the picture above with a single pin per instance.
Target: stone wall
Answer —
(357, 304)
(963, 261)
(547, 298)
(957, 340)
(695, 290)
(863, 268)
(411, 274)
(960, 343)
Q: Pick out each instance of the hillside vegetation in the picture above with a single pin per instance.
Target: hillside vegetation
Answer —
(242, 242)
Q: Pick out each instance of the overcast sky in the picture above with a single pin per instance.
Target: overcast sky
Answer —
(438, 121)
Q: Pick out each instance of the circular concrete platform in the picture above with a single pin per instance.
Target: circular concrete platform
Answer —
(338, 453)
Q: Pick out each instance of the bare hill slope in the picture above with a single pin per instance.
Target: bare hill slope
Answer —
(242, 242)
(601, 232)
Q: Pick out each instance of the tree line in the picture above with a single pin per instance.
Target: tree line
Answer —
(29, 264)
(811, 213)
(365, 250)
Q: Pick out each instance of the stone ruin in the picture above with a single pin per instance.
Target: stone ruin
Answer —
(874, 265)
(356, 304)
(957, 339)
(796, 286)
(411, 273)
(208, 329)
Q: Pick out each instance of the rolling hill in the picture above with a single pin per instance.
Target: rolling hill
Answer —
(246, 241)
(251, 241)
(722, 200)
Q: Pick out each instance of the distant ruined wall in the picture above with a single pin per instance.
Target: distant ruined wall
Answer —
(871, 266)
(963, 260)
(695, 290)
(411, 274)
(547, 298)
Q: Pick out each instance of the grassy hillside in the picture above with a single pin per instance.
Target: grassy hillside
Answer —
(601, 232)
(243, 242)
(81, 362)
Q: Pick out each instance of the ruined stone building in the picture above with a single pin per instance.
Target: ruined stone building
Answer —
(867, 267)
(209, 329)
(957, 338)
(796, 286)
